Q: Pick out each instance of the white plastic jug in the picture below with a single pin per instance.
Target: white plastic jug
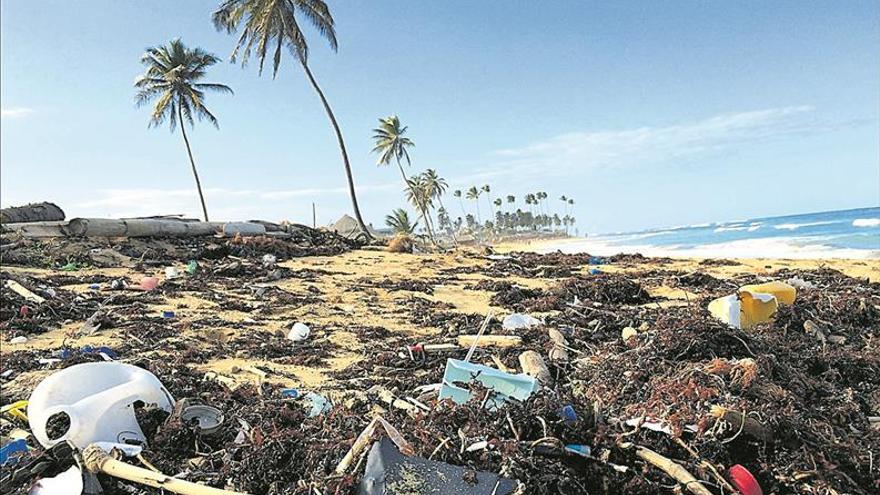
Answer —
(99, 400)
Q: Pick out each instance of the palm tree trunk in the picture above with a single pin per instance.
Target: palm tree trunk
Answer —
(192, 162)
(351, 191)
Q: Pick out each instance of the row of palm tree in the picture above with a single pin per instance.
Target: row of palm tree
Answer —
(174, 72)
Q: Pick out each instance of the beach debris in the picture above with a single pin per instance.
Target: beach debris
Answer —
(316, 404)
(92, 402)
(192, 267)
(784, 293)
(800, 284)
(533, 365)
(20, 339)
(579, 449)
(743, 480)
(69, 482)
(269, 260)
(468, 341)
(93, 323)
(208, 419)
(568, 415)
(24, 292)
(673, 469)
(12, 451)
(520, 321)
(401, 244)
(559, 351)
(168, 314)
(744, 309)
(299, 332)
(389, 471)
(149, 283)
(627, 333)
(171, 273)
(363, 439)
(502, 386)
(815, 330)
(105, 257)
(743, 423)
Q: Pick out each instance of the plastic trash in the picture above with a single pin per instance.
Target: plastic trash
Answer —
(317, 404)
(98, 399)
(209, 419)
(388, 471)
(595, 271)
(745, 309)
(299, 332)
(149, 283)
(595, 260)
(118, 284)
(12, 451)
(504, 386)
(578, 449)
(743, 480)
(168, 314)
(518, 321)
(171, 272)
(24, 310)
(783, 292)
(21, 339)
(95, 287)
(289, 393)
(568, 414)
(192, 267)
(799, 283)
(69, 482)
(269, 260)
(70, 267)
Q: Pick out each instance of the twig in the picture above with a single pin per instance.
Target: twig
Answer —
(673, 469)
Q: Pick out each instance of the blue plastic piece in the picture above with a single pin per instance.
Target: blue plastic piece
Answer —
(290, 393)
(167, 314)
(505, 386)
(95, 286)
(594, 260)
(582, 450)
(12, 450)
(318, 404)
(568, 415)
(595, 271)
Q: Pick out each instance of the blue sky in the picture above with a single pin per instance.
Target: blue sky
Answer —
(647, 113)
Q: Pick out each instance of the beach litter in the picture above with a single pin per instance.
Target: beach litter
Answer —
(502, 387)
(92, 402)
(519, 321)
(752, 304)
(299, 332)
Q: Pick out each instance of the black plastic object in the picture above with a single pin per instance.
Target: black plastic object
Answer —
(389, 472)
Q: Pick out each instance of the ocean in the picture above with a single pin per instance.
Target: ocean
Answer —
(831, 234)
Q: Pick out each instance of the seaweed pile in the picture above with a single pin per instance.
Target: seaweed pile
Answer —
(797, 406)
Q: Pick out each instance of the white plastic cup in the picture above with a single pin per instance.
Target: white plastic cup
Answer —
(299, 332)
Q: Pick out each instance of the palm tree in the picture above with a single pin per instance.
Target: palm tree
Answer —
(457, 194)
(275, 23)
(474, 194)
(511, 198)
(171, 78)
(418, 194)
(392, 144)
(436, 187)
(399, 222)
(486, 189)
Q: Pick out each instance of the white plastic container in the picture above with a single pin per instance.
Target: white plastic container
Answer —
(299, 332)
(99, 400)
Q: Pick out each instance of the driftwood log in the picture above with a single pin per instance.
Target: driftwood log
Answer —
(35, 212)
(157, 227)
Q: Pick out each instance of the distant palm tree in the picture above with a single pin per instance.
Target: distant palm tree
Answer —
(473, 194)
(171, 78)
(391, 143)
(486, 189)
(399, 222)
(457, 194)
(511, 198)
(419, 195)
(276, 23)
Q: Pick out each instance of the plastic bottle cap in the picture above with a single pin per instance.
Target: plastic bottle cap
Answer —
(743, 480)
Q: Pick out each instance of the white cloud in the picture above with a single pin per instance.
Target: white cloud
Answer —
(14, 113)
(573, 151)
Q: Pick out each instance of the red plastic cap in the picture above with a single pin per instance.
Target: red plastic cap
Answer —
(743, 480)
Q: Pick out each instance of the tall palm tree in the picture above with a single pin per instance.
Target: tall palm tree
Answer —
(474, 195)
(511, 198)
(399, 222)
(276, 23)
(486, 189)
(419, 195)
(172, 76)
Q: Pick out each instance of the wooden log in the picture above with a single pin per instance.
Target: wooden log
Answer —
(157, 227)
(34, 212)
(489, 340)
(98, 461)
(533, 365)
